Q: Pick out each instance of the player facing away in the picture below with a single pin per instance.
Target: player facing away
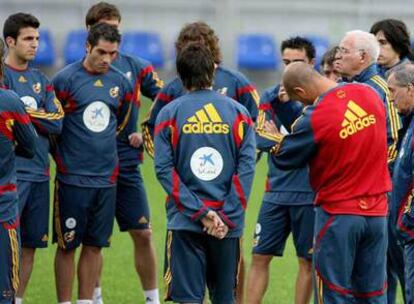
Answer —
(17, 137)
(400, 83)
(132, 209)
(288, 200)
(21, 34)
(97, 100)
(204, 159)
(359, 52)
(227, 82)
(342, 135)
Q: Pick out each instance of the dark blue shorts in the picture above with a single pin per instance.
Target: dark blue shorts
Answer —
(83, 215)
(34, 213)
(9, 260)
(350, 258)
(194, 260)
(276, 222)
(132, 211)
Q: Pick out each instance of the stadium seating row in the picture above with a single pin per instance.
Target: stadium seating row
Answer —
(254, 51)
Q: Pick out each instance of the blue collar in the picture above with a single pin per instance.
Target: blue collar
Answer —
(366, 74)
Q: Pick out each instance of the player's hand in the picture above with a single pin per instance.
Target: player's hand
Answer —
(135, 139)
(283, 96)
(270, 128)
(214, 226)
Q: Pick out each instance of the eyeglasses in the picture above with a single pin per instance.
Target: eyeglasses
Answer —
(346, 51)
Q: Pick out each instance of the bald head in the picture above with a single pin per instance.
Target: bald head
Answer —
(302, 82)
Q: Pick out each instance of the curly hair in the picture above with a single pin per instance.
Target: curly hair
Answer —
(199, 32)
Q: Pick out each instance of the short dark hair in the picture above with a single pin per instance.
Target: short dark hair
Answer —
(299, 43)
(397, 34)
(14, 23)
(329, 56)
(201, 32)
(195, 66)
(101, 11)
(103, 31)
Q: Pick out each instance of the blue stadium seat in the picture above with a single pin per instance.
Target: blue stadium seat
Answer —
(321, 46)
(46, 52)
(74, 48)
(143, 44)
(257, 52)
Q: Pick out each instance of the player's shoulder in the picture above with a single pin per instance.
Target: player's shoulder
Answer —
(138, 62)
(38, 74)
(236, 76)
(68, 71)
(173, 88)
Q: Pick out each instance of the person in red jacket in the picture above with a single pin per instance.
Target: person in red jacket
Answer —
(342, 136)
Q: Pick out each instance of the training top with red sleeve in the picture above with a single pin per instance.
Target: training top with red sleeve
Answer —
(205, 154)
(45, 112)
(17, 136)
(97, 108)
(343, 137)
(145, 81)
(227, 82)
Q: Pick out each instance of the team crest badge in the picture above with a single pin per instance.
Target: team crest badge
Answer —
(37, 87)
(341, 94)
(114, 92)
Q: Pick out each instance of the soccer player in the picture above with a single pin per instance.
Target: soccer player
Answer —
(21, 34)
(204, 159)
(400, 83)
(340, 127)
(132, 210)
(97, 100)
(17, 137)
(288, 201)
(227, 82)
(328, 65)
(357, 61)
(395, 44)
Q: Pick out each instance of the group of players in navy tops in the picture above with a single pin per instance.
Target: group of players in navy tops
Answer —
(331, 148)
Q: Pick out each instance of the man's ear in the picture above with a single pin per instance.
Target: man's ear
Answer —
(10, 41)
(299, 92)
(88, 47)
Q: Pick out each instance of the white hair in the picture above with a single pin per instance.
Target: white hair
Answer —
(366, 42)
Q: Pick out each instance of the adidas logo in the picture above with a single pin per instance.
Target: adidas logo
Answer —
(22, 79)
(143, 220)
(206, 121)
(98, 83)
(356, 119)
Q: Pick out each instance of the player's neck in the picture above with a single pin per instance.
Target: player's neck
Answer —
(16, 63)
(89, 67)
